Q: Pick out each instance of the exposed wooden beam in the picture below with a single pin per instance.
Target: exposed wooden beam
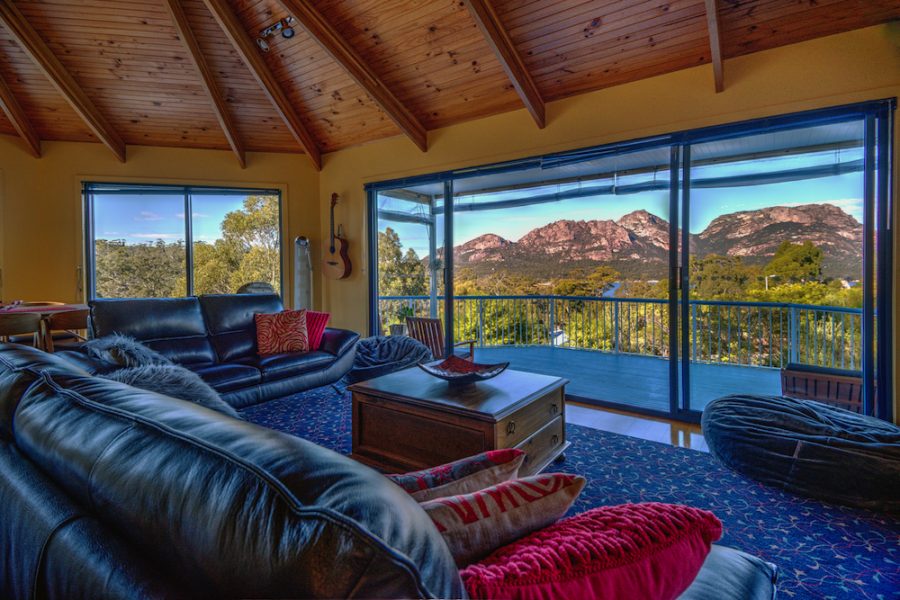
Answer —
(496, 35)
(715, 43)
(13, 111)
(35, 47)
(248, 52)
(337, 47)
(209, 83)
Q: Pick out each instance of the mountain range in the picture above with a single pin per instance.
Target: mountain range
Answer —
(637, 243)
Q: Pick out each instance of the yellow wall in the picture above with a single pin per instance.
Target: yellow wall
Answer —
(41, 231)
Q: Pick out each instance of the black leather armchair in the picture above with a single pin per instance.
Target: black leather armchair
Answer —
(215, 336)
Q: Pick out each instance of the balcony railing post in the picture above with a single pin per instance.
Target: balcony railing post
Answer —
(481, 322)
(616, 326)
(693, 332)
(794, 329)
(552, 321)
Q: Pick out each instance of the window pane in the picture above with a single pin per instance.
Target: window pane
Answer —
(139, 246)
(237, 242)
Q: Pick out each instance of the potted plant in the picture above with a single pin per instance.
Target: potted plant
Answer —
(402, 314)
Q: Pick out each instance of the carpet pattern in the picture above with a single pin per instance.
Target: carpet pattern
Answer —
(822, 551)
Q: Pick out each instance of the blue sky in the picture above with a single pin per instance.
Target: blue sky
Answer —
(844, 191)
(142, 219)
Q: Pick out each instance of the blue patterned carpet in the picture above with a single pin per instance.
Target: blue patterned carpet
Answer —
(823, 551)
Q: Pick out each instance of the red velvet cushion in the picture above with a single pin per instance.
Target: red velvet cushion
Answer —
(463, 476)
(649, 551)
(316, 322)
(281, 332)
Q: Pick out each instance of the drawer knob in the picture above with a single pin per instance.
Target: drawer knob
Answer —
(554, 440)
(554, 408)
(510, 428)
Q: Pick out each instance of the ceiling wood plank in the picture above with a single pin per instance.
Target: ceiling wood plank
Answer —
(715, 43)
(209, 83)
(246, 49)
(35, 47)
(20, 122)
(343, 53)
(489, 22)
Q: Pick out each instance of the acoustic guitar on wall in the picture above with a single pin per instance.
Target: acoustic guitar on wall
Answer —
(336, 264)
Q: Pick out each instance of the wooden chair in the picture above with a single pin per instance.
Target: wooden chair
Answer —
(22, 324)
(836, 387)
(431, 333)
(63, 328)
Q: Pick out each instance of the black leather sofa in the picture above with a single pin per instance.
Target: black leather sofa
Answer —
(215, 336)
(107, 491)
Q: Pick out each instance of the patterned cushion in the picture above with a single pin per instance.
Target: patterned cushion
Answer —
(463, 476)
(316, 322)
(649, 551)
(281, 332)
(474, 525)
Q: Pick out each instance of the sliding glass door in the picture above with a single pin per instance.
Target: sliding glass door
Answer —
(658, 274)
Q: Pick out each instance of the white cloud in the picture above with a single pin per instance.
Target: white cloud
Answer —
(847, 204)
(146, 215)
(157, 236)
(196, 215)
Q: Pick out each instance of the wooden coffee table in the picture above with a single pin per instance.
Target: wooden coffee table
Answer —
(409, 420)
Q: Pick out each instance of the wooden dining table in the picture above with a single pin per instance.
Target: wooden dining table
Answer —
(40, 308)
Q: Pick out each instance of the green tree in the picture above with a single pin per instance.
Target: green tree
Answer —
(795, 263)
(399, 273)
(716, 277)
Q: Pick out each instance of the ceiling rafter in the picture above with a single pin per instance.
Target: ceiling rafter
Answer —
(496, 35)
(219, 105)
(337, 47)
(13, 111)
(38, 51)
(246, 49)
(715, 43)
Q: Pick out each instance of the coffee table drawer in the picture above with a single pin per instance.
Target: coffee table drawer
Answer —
(518, 426)
(542, 447)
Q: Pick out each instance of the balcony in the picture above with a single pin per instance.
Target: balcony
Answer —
(617, 349)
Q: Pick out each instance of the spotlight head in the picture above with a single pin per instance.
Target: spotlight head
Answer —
(287, 32)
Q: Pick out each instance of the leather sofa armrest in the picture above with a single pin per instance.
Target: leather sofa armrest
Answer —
(731, 574)
(338, 341)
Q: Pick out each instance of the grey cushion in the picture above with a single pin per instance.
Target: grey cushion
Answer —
(176, 382)
(124, 351)
(380, 355)
(808, 448)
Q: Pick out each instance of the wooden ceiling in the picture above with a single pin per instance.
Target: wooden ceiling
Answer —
(189, 73)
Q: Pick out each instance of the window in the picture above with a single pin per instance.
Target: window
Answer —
(153, 241)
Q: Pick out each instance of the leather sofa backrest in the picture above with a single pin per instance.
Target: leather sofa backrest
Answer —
(53, 548)
(18, 370)
(173, 327)
(231, 324)
(228, 508)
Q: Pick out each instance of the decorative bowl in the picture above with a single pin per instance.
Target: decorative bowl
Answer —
(460, 372)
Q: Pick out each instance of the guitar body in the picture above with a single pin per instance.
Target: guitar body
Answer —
(336, 264)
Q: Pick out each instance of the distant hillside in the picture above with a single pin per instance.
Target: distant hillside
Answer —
(637, 244)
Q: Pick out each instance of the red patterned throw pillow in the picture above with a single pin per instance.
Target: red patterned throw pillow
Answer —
(281, 332)
(476, 524)
(316, 322)
(463, 476)
(651, 551)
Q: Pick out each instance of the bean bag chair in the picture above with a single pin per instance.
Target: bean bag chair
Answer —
(808, 448)
(380, 355)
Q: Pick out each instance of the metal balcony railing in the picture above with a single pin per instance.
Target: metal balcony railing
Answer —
(756, 334)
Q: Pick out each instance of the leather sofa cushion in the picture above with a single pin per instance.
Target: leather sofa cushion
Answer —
(174, 327)
(225, 378)
(338, 341)
(279, 366)
(226, 507)
(230, 320)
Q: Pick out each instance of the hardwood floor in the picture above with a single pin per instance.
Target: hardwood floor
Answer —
(684, 435)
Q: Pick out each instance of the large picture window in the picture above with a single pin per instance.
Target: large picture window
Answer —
(152, 241)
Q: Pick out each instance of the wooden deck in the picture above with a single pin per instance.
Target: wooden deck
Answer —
(631, 380)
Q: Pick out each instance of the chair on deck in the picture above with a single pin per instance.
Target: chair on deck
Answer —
(65, 329)
(431, 333)
(26, 325)
(837, 387)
